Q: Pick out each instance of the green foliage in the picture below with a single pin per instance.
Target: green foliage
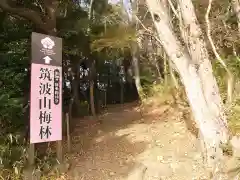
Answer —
(14, 62)
(234, 115)
(233, 110)
(116, 35)
(116, 38)
(155, 89)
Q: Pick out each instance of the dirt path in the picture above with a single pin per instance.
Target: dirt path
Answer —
(127, 147)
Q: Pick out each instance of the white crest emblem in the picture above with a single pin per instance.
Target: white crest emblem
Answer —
(48, 43)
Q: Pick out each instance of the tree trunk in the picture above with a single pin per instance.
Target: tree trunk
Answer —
(122, 75)
(75, 95)
(236, 8)
(165, 69)
(173, 76)
(76, 85)
(160, 72)
(200, 58)
(92, 103)
(92, 65)
(134, 51)
(91, 86)
(122, 93)
(135, 64)
(196, 74)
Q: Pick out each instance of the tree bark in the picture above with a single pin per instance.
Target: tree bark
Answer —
(236, 8)
(92, 102)
(76, 61)
(46, 23)
(135, 64)
(174, 79)
(92, 66)
(199, 56)
(160, 71)
(134, 51)
(92, 76)
(196, 74)
(122, 75)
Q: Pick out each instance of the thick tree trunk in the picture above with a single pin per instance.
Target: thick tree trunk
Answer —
(199, 55)
(196, 74)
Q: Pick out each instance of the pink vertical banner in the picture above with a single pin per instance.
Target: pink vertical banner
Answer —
(46, 104)
(46, 89)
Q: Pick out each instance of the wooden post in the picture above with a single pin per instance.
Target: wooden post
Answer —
(105, 98)
(59, 152)
(29, 173)
(68, 133)
(31, 155)
(122, 93)
(59, 148)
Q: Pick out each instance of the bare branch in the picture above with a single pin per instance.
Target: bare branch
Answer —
(230, 76)
(142, 24)
(151, 33)
(209, 35)
(173, 9)
(90, 11)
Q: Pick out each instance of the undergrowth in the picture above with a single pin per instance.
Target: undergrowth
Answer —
(13, 159)
(233, 109)
(168, 94)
